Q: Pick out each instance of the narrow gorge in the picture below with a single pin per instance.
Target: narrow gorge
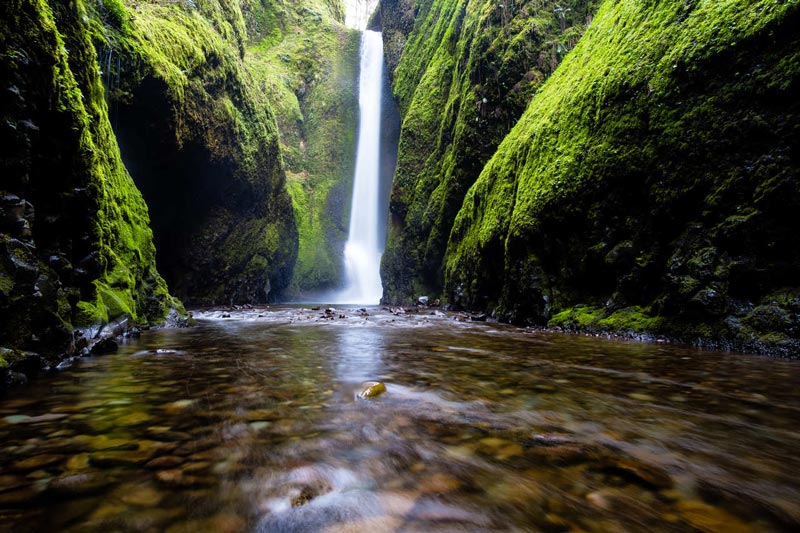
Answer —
(399, 265)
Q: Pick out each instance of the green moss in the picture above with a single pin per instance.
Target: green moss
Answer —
(636, 174)
(199, 136)
(467, 71)
(312, 77)
(91, 238)
(579, 317)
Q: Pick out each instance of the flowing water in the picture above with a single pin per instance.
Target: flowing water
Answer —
(251, 421)
(363, 248)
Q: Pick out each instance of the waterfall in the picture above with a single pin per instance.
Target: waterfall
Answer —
(358, 13)
(363, 248)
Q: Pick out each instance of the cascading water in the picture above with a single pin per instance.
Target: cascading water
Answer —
(363, 248)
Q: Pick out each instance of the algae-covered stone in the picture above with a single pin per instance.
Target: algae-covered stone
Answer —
(371, 389)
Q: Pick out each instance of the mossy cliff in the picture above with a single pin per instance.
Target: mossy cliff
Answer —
(200, 139)
(651, 185)
(303, 56)
(75, 244)
(465, 74)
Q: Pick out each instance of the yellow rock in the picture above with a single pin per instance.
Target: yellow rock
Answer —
(439, 483)
(371, 389)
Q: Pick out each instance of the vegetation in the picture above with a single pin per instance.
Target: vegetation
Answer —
(307, 61)
(77, 249)
(466, 74)
(200, 139)
(651, 180)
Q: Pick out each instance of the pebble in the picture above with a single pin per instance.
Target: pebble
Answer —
(80, 484)
(371, 389)
(641, 397)
(439, 483)
(225, 522)
(165, 462)
(121, 458)
(708, 518)
(36, 462)
(141, 495)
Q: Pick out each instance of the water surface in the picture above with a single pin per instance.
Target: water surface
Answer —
(252, 422)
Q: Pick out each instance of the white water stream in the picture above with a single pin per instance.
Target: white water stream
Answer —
(358, 13)
(363, 248)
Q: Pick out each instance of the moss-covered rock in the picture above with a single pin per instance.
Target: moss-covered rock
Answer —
(200, 139)
(652, 180)
(304, 57)
(466, 72)
(75, 243)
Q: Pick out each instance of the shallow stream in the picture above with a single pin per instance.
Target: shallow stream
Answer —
(251, 421)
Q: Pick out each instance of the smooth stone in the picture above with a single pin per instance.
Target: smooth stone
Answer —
(36, 462)
(165, 462)
(80, 484)
(501, 449)
(258, 415)
(258, 426)
(105, 346)
(133, 419)
(10, 482)
(220, 523)
(439, 483)
(371, 389)
(78, 462)
(196, 467)
(16, 497)
(178, 406)
(16, 419)
(708, 518)
(102, 443)
(644, 474)
(121, 458)
(641, 397)
(600, 499)
(141, 495)
(151, 519)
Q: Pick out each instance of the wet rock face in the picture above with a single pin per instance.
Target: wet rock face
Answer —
(75, 246)
(662, 202)
(206, 158)
(465, 76)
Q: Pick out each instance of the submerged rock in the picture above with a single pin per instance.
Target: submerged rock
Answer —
(371, 389)
(105, 346)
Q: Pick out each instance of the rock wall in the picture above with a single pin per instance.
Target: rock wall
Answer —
(201, 141)
(303, 56)
(651, 185)
(463, 73)
(76, 249)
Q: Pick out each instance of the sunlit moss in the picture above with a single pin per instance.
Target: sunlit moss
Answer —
(658, 131)
(467, 71)
(311, 75)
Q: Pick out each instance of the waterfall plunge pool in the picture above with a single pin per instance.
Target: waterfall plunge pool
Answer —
(251, 422)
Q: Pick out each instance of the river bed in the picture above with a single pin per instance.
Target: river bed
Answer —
(252, 421)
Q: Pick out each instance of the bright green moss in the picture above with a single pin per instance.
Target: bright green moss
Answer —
(657, 132)
(311, 75)
(467, 71)
(193, 118)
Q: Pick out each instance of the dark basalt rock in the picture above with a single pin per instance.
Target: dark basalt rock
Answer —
(105, 346)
